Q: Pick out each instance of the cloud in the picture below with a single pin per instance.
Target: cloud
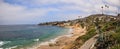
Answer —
(20, 14)
(113, 2)
(35, 11)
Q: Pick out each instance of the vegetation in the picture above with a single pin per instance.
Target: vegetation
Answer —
(111, 39)
(88, 35)
(107, 25)
(81, 39)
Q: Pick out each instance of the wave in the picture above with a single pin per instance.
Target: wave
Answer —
(1, 43)
(4, 42)
(36, 40)
(50, 41)
(12, 47)
(55, 39)
(1, 48)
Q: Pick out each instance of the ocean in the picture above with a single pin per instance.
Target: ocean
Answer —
(21, 36)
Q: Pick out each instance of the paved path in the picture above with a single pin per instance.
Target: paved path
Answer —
(90, 43)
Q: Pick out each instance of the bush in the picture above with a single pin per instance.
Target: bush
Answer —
(89, 34)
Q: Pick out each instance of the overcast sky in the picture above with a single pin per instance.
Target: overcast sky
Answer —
(37, 11)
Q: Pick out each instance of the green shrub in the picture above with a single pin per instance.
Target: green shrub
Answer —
(89, 34)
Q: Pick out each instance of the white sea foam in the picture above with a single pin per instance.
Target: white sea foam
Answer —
(55, 39)
(1, 43)
(1, 48)
(12, 47)
(36, 40)
(70, 31)
(52, 40)
(4, 42)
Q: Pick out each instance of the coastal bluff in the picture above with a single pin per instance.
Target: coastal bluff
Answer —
(107, 23)
(81, 21)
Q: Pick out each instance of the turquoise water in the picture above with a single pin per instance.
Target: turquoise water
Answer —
(27, 35)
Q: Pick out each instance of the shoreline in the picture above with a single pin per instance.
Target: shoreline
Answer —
(58, 42)
(63, 40)
(53, 41)
(47, 42)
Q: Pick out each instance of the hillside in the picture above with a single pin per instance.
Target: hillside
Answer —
(106, 25)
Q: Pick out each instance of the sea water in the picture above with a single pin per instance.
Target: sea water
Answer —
(18, 36)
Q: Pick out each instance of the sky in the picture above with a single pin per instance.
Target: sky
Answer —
(39, 11)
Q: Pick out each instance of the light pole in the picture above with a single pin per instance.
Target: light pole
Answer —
(117, 12)
(78, 17)
(102, 9)
(107, 6)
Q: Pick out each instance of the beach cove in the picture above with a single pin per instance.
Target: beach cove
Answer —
(63, 41)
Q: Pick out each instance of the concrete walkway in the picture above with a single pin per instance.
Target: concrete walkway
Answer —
(89, 44)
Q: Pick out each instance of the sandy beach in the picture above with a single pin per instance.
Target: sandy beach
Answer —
(61, 41)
